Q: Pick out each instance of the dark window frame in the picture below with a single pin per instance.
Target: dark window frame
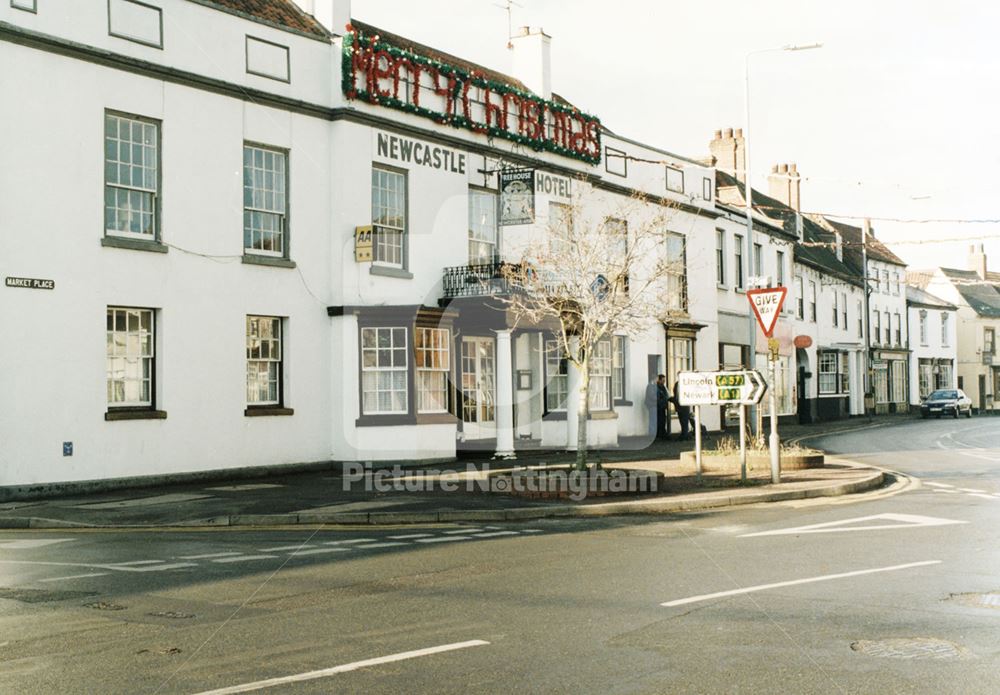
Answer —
(133, 39)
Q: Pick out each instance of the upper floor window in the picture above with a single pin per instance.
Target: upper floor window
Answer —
(482, 226)
(895, 283)
(758, 261)
(877, 333)
(836, 310)
(898, 320)
(676, 271)
(779, 268)
(131, 176)
(130, 354)
(989, 341)
(861, 319)
(738, 261)
(800, 298)
(885, 282)
(384, 365)
(923, 327)
(617, 246)
(675, 180)
(264, 356)
(887, 327)
(265, 200)
(433, 357)
(389, 215)
(843, 310)
(812, 301)
(720, 257)
(945, 340)
(600, 376)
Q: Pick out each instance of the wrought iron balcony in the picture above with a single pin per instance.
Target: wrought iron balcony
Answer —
(480, 280)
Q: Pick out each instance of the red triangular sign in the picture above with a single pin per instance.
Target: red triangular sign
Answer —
(766, 304)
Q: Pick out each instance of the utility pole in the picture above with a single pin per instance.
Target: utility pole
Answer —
(865, 230)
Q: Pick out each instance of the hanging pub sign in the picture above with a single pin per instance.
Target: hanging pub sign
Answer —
(517, 196)
(377, 71)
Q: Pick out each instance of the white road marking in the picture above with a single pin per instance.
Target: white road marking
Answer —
(281, 548)
(971, 489)
(901, 521)
(794, 582)
(145, 501)
(461, 531)
(344, 668)
(206, 556)
(319, 551)
(389, 544)
(94, 565)
(30, 543)
(531, 530)
(494, 534)
(133, 563)
(982, 496)
(74, 576)
(248, 486)
(411, 535)
(443, 539)
(244, 558)
(939, 484)
(353, 540)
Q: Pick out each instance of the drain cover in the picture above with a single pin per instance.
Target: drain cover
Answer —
(909, 648)
(173, 615)
(104, 606)
(989, 600)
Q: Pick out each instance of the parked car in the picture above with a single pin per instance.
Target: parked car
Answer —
(952, 402)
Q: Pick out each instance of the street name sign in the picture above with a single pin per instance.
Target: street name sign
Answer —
(720, 388)
(766, 305)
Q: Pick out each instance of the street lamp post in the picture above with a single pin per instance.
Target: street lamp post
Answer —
(748, 199)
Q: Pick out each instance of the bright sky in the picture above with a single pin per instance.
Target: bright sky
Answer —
(897, 116)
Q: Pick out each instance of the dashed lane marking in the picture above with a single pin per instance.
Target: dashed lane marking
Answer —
(408, 536)
(31, 543)
(243, 558)
(350, 542)
(443, 539)
(971, 489)
(282, 548)
(319, 551)
(387, 544)
(462, 531)
(74, 576)
(495, 534)
(206, 556)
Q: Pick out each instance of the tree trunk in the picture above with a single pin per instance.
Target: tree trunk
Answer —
(583, 413)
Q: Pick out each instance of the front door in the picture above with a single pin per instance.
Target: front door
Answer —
(478, 388)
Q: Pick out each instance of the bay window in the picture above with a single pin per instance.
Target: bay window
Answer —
(433, 358)
(384, 364)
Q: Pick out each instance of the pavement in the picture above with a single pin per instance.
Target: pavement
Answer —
(416, 496)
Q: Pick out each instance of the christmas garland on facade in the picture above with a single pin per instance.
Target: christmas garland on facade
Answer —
(510, 113)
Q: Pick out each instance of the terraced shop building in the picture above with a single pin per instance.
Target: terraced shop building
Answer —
(204, 299)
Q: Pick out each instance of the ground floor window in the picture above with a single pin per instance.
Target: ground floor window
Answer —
(600, 376)
(945, 377)
(130, 355)
(264, 355)
(897, 377)
(680, 358)
(925, 378)
(618, 367)
(384, 367)
(829, 372)
(556, 376)
(433, 358)
(881, 381)
(478, 380)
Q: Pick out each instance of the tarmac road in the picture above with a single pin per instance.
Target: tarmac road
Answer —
(878, 593)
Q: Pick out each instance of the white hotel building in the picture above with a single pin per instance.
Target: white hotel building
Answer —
(184, 180)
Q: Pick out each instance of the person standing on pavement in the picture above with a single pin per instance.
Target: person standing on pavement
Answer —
(683, 412)
(662, 407)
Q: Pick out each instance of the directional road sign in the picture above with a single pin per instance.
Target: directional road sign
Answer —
(766, 305)
(720, 388)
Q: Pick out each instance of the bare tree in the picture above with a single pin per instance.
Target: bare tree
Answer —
(602, 268)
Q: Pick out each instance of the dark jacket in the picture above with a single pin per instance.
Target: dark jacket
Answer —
(662, 396)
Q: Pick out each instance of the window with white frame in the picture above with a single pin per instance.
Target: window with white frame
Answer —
(895, 283)
(738, 261)
(720, 257)
(800, 298)
(676, 272)
(945, 339)
(877, 333)
(812, 301)
(897, 375)
(836, 310)
(384, 366)
(843, 310)
(923, 326)
(265, 200)
(881, 379)
(861, 318)
(925, 378)
(829, 372)
(898, 322)
(886, 328)
(779, 269)
(131, 176)
(600, 376)
(680, 358)
(560, 229)
(617, 244)
(482, 226)
(618, 367)
(989, 341)
(557, 376)
(758, 260)
(389, 216)
(264, 356)
(130, 355)
(943, 378)
(885, 282)
(433, 358)
(873, 277)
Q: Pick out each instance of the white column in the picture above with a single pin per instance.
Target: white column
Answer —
(505, 396)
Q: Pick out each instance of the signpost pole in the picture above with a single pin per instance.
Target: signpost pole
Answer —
(743, 443)
(774, 442)
(697, 441)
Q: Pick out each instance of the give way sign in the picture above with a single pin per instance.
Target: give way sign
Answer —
(766, 305)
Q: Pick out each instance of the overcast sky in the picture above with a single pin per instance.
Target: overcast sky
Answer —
(897, 116)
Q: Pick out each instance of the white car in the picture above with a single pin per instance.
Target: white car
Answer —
(952, 402)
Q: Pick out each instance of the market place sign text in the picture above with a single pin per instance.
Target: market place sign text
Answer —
(381, 73)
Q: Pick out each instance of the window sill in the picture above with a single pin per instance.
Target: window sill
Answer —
(603, 415)
(389, 272)
(134, 244)
(624, 402)
(266, 410)
(560, 415)
(400, 419)
(722, 287)
(436, 419)
(134, 414)
(273, 261)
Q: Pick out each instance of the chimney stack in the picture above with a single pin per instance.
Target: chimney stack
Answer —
(977, 260)
(334, 15)
(728, 149)
(532, 60)
(784, 184)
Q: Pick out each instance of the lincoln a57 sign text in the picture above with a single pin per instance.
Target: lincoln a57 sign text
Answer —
(376, 70)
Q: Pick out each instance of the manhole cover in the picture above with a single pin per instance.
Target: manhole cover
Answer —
(989, 600)
(41, 595)
(160, 650)
(173, 615)
(104, 606)
(909, 648)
